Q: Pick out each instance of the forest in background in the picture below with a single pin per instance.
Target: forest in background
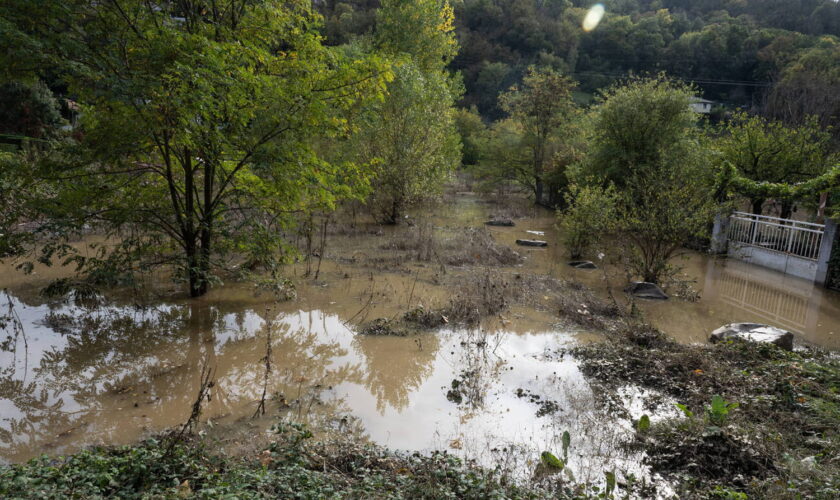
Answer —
(736, 51)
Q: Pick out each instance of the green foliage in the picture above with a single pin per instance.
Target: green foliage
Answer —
(589, 216)
(683, 408)
(472, 131)
(717, 412)
(567, 440)
(643, 425)
(659, 212)
(422, 29)
(645, 141)
(28, 111)
(544, 108)
(732, 49)
(288, 469)
(769, 151)
(199, 124)
(643, 125)
(729, 181)
(411, 139)
(807, 86)
(549, 460)
(610, 484)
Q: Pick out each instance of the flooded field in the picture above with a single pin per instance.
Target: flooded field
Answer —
(499, 392)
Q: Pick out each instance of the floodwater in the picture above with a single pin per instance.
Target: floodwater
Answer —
(500, 393)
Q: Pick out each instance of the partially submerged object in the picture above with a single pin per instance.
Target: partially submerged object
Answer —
(754, 332)
(532, 243)
(500, 222)
(645, 290)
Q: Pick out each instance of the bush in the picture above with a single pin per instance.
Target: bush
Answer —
(590, 215)
(290, 468)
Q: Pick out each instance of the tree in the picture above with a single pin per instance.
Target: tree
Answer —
(646, 143)
(411, 139)
(769, 151)
(659, 211)
(28, 111)
(642, 124)
(422, 29)
(471, 129)
(808, 87)
(197, 124)
(410, 136)
(543, 105)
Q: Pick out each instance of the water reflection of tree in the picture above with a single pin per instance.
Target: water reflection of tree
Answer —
(302, 362)
(102, 352)
(111, 360)
(396, 366)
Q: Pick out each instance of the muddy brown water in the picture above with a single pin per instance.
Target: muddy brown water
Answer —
(110, 375)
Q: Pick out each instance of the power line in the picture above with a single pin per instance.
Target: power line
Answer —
(707, 81)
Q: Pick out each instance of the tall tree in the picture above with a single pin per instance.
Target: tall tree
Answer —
(543, 105)
(411, 135)
(198, 120)
(411, 139)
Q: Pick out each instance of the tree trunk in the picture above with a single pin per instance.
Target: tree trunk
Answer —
(757, 204)
(787, 209)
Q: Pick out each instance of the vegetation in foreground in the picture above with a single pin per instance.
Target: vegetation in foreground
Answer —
(290, 467)
(755, 421)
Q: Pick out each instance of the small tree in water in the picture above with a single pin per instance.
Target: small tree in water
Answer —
(589, 216)
(647, 144)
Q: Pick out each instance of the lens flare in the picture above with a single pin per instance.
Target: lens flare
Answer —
(593, 17)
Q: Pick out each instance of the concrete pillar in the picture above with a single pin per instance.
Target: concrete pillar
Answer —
(825, 251)
(720, 234)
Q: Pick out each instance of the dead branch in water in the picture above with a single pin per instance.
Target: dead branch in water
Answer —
(206, 384)
(267, 360)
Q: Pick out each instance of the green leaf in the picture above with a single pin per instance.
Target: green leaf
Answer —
(610, 483)
(688, 413)
(567, 439)
(643, 424)
(551, 461)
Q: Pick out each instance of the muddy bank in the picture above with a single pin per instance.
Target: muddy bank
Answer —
(754, 419)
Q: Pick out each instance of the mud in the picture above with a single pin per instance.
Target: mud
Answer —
(478, 374)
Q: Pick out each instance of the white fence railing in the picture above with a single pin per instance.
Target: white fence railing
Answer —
(802, 239)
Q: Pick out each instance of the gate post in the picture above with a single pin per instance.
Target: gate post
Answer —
(720, 234)
(825, 251)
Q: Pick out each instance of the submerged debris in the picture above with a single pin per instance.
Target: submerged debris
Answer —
(383, 326)
(753, 332)
(532, 243)
(645, 290)
(545, 406)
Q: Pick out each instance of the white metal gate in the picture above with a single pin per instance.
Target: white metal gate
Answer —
(783, 244)
(788, 236)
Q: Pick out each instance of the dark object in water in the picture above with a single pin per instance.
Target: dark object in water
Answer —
(532, 243)
(583, 264)
(500, 222)
(645, 290)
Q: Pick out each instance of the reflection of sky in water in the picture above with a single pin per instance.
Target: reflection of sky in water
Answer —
(117, 381)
